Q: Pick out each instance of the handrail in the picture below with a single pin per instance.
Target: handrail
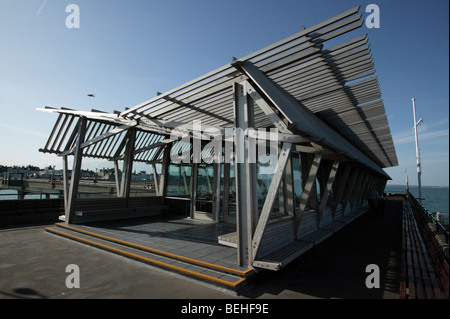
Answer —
(437, 249)
(42, 195)
(427, 216)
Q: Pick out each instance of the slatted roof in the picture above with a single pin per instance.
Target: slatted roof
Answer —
(337, 84)
(105, 136)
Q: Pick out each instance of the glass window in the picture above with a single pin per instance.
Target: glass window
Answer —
(297, 178)
(179, 180)
(205, 181)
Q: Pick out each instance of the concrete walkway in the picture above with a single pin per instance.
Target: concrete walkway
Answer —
(33, 265)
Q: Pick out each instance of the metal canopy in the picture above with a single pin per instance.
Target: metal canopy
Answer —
(336, 84)
(105, 136)
(323, 104)
(335, 88)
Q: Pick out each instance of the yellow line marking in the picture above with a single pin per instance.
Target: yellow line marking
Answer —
(156, 262)
(160, 252)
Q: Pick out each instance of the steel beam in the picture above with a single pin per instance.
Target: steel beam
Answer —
(310, 182)
(76, 170)
(165, 170)
(349, 187)
(356, 188)
(288, 188)
(246, 192)
(270, 197)
(360, 187)
(305, 122)
(128, 164)
(156, 181)
(65, 180)
(117, 178)
(340, 186)
(327, 190)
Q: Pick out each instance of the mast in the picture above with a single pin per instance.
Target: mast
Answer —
(407, 184)
(419, 170)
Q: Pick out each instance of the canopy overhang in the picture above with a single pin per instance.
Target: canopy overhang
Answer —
(329, 97)
(323, 103)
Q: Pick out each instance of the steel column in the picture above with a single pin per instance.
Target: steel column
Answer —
(76, 170)
(270, 197)
(349, 188)
(310, 182)
(65, 180)
(327, 190)
(246, 192)
(155, 179)
(128, 164)
(340, 186)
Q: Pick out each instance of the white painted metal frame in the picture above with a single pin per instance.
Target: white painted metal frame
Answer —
(246, 204)
(323, 101)
(270, 198)
(299, 64)
(73, 187)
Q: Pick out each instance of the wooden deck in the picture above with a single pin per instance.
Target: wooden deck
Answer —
(203, 250)
(185, 246)
(419, 278)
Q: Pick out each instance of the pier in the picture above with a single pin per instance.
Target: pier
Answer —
(335, 268)
(47, 188)
(257, 164)
(229, 147)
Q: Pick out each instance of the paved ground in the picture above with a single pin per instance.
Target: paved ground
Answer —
(33, 264)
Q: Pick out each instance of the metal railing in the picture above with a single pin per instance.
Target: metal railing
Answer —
(433, 239)
(45, 195)
(426, 217)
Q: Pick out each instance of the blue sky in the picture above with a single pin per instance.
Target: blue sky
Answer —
(126, 51)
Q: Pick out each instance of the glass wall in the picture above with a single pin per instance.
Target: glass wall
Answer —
(264, 178)
(205, 181)
(205, 188)
(179, 180)
(297, 178)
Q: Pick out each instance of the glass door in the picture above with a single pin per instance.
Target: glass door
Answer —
(206, 194)
(228, 194)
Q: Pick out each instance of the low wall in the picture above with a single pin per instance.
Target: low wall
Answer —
(25, 211)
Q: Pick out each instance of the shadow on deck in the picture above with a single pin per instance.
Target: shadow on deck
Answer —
(333, 269)
(336, 268)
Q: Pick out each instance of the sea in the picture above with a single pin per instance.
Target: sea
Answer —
(13, 194)
(434, 198)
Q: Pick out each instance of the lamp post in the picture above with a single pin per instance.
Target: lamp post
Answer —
(407, 184)
(419, 170)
